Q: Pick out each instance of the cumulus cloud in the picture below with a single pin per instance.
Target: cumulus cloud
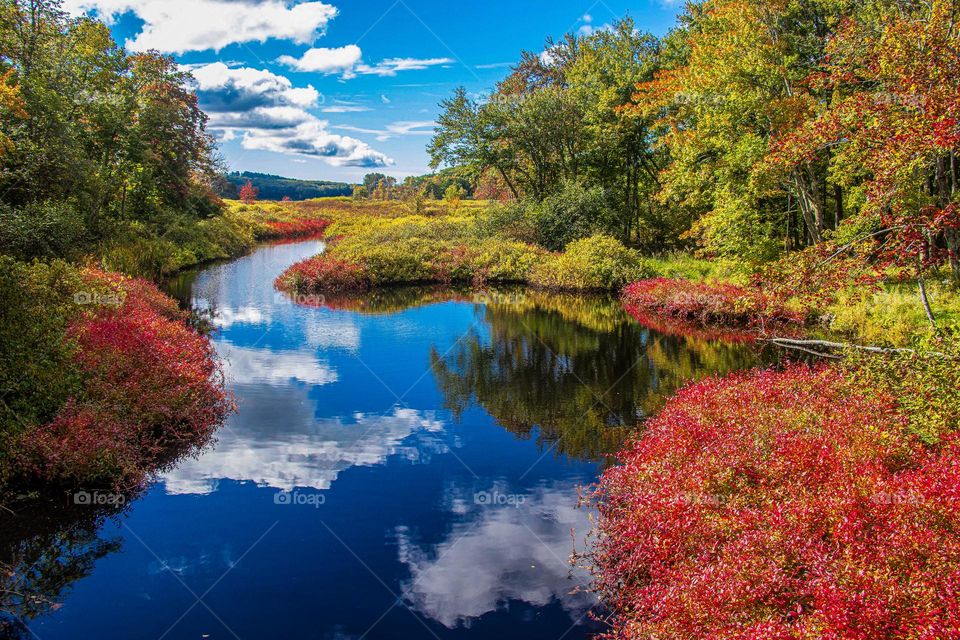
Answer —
(178, 26)
(323, 60)
(223, 88)
(313, 139)
(273, 115)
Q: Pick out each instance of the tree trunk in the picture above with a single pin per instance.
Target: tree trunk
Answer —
(807, 198)
(926, 303)
(838, 196)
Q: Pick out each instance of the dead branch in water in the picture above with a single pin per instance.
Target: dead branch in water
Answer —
(810, 346)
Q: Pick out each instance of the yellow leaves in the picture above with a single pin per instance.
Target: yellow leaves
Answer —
(11, 106)
(10, 100)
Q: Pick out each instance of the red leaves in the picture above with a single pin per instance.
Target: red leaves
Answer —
(323, 274)
(248, 193)
(781, 505)
(298, 228)
(151, 390)
(706, 304)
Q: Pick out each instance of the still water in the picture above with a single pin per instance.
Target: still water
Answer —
(401, 466)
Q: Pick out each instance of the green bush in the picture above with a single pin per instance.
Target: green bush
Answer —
(925, 383)
(509, 221)
(571, 214)
(400, 261)
(506, 261)
(41, 230)
(36, 370)
(595, 263)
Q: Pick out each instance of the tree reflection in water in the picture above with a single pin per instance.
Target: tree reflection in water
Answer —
(44, 548)
(573, 371)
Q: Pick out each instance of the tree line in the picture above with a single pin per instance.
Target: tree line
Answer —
(751, 129)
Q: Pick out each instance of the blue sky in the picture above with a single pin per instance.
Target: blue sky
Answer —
(335, 89)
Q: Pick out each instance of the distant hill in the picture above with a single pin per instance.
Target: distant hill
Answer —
(277, 187)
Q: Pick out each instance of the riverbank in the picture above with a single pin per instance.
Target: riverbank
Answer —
(802, 502)
(234, 232)
(106, 378)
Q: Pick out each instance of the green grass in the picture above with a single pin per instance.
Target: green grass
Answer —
(894, 316)
(391, 243)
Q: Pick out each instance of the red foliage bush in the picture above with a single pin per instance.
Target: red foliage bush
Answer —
(706, 304)
(323, 274)
(298, 228)
(686, 329)
(151, 389)
(781, 505)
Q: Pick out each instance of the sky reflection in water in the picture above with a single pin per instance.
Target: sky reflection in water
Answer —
(433, 453)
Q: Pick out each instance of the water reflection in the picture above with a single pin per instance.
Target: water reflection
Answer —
(309, 452)
(44, 548)
(399, 408)
(517, 550)
(575, 372)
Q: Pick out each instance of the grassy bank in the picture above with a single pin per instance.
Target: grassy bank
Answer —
(381, 244)
(104, 379)
(804, 503)
(140, 250)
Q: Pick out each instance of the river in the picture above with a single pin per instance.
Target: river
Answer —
(405, 465)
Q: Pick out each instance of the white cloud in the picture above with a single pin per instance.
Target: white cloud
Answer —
(392, 66)
(178, 26)
(313, 139)
(273, 116)
(345, 108)
(261, 118)
(396, 129)
(322, 60)
(348, 61)
(223, 88)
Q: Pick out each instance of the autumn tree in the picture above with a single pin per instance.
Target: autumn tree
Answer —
(893, 126)
(95, 139)
(248, 193)
(556, 120)
(734, 80)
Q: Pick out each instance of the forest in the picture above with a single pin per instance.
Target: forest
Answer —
(752, 130)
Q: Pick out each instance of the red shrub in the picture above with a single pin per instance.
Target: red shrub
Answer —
(151, 388)
(780, 505)
(299, 228)
(323, 274)
(686, 329)
(706, 303)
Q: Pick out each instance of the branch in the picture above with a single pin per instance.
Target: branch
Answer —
(807, 345)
